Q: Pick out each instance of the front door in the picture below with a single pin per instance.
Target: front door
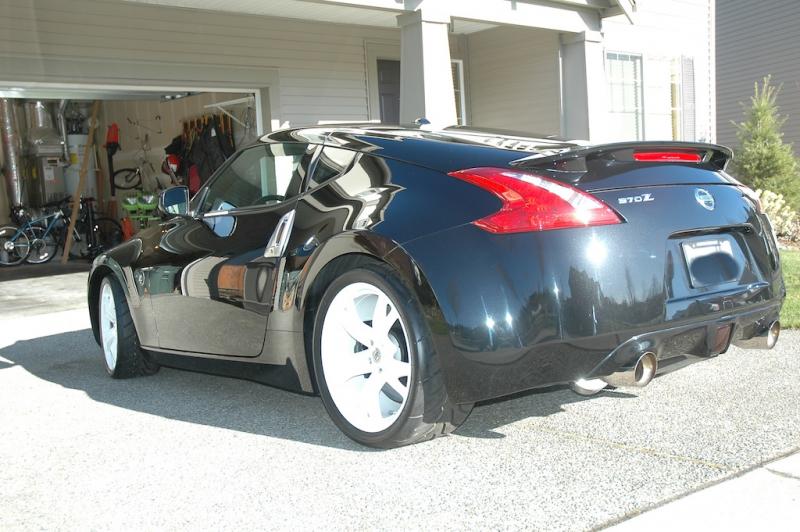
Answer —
(214, 290)
(389, 90)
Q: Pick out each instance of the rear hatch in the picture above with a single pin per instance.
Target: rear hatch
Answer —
(684, 221)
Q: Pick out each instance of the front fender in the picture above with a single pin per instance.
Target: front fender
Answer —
(119, 262)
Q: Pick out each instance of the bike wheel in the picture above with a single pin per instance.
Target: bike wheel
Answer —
(14, 245)
(80, 241)
(127, 178)
(43, 245)
(108, 233)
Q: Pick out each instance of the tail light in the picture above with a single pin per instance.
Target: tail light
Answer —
(535, 203)
(667, 156)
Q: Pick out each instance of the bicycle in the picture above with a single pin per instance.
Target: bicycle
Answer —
(37, 243)
(31, 242)
(93, 234)
(14, 245)
(136, 178)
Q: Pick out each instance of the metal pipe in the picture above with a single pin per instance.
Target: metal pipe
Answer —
(763, 339)
(642, 373)
(62, 129)
(12, 150)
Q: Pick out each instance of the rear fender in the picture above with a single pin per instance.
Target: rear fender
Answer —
(343, 252)
(352, 245)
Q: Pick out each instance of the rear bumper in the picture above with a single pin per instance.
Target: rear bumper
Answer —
(479, 376)
(691, 342)
(528, 310)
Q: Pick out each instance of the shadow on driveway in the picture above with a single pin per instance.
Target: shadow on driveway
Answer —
(73, 360)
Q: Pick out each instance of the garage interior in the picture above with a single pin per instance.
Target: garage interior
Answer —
(45, 135)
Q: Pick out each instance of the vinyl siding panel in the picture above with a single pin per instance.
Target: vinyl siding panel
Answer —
(320, 66)
(514, 79)
(754, 41)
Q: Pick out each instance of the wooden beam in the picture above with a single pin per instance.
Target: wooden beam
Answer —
(76, 196)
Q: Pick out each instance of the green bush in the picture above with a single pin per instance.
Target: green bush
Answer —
(764, 160)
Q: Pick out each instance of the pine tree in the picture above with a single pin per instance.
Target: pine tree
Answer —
(764, 161)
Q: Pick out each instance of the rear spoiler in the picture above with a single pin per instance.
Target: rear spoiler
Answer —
(583, 159)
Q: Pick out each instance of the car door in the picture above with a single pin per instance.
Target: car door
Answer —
(212, 291)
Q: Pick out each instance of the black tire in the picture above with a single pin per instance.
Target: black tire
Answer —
(127, 178)
(43, 245)
(131, 359)
(108, 233)
(428, 412)
(14, 246)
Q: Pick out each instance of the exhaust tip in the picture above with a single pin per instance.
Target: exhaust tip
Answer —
(773, 333)
(645, 369)
(642, 373)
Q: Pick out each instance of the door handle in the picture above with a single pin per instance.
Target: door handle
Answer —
(280, 237)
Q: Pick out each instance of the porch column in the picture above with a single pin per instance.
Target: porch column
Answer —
(584, 100)
(426, 80)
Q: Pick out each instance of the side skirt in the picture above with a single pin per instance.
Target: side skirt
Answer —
(284, 377)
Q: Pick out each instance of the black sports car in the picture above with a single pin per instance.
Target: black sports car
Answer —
(404, 274)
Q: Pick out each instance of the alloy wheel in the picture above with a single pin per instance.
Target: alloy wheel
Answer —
(365, 357)
(108, 325)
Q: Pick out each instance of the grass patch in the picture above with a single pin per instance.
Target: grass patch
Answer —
(790, 315)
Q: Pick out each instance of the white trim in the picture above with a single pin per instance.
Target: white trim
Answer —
(562, 112)
(712, 77)
(463, 91)
(221, 106)
(374, 50)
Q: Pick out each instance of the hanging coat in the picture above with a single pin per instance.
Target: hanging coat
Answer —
(211, 146)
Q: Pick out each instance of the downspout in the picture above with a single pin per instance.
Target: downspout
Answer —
(62, 129)
(12, 152)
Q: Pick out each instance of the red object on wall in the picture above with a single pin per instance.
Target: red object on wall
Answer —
(112, 134)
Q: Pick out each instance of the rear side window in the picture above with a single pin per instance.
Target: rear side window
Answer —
(262, 175)
(332, 162)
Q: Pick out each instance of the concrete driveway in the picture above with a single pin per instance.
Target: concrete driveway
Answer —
(186, 450)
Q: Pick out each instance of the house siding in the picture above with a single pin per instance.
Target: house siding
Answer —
(514, 79)
(321, 67)
(753, 42)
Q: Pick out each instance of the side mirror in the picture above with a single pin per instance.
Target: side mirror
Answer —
(174, 200)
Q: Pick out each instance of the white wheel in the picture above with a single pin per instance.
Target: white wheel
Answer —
(588, 387)
(364, 352)
(109, 336)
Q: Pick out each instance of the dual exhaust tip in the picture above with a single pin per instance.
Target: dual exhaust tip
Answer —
(646, 366)
(642, 373)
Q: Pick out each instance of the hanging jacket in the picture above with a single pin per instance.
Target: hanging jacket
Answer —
(211, 146)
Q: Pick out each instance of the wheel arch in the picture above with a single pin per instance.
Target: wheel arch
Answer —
(103, 267)
(351, 250)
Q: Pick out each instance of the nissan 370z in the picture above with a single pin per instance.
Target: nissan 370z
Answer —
(403, 275)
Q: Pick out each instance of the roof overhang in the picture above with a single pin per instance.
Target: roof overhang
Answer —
(467, 16)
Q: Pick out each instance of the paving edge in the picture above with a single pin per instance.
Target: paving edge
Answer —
(725, 478)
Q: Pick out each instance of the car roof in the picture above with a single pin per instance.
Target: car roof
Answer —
(442, 149)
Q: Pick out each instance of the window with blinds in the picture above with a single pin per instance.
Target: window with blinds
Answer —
(663, 99)
(655, 101)
(626, 109)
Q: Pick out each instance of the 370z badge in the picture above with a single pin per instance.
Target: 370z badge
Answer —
(642, 198)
